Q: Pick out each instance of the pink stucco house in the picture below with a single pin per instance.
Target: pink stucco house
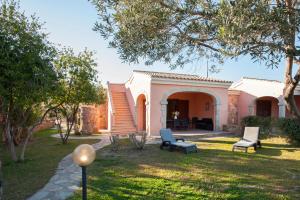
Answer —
(148, 101)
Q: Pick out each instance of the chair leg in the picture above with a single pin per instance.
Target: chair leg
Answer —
(255, 147)
(186, 151)
(259, 144)
(246, 150)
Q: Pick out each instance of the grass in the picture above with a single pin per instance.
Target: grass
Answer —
(42, 157)
(215, 172)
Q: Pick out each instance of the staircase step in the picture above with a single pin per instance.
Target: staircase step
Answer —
(123, 120)
(123, 129)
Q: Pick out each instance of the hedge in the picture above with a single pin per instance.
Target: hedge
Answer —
(288, 126)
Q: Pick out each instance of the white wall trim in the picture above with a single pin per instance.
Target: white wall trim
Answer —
(191, 83)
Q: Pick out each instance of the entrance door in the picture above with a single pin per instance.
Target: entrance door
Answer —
(182, 106)
(263, 108)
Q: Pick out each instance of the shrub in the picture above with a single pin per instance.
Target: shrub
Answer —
(139, 144)
(115, 142)
(265, 123)
(291, 127)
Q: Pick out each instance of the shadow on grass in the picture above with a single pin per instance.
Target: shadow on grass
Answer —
(209, 174)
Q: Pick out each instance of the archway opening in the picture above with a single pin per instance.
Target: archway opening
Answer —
(267, 107)
(191, 110)
(141, 113)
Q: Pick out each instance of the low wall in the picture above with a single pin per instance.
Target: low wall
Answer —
(46, 124)
(93, 118)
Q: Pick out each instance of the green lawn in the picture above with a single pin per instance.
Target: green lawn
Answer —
(43, 155)
(215, 172)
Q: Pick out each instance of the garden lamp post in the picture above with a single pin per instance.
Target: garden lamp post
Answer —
(83, 156)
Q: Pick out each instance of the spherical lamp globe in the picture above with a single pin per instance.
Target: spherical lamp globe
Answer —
(84, 155)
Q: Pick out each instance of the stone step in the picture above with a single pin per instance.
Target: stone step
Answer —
(120, 95)
(125, 123)
(124, 108)
(124, 131)
(121, 105)
(123, 128)
(123, 115)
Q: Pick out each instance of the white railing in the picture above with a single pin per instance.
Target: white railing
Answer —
(111, 109)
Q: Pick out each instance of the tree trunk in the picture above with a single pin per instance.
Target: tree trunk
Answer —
(1, 181)
(289, 88)
(30, 132)
(10, 140)
(22, 155)
(70, 122)
(290, 82)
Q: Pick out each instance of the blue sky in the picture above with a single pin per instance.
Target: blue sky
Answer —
(70, 23)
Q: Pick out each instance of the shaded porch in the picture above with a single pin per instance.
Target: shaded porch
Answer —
(191, 111)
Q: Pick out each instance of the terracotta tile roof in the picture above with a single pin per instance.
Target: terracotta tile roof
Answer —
(166, 75)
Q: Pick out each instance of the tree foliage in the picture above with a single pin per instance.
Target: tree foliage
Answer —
(27, 75)
(77, 77)
(178, 32)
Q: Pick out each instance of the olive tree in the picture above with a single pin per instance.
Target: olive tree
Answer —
(178, 32)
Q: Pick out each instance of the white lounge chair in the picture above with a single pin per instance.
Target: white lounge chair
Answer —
(250, 139)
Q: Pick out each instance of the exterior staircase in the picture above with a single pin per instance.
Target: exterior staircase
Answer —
(122, 119)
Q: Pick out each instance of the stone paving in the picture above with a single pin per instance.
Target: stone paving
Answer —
(74, 137)
(67, 178)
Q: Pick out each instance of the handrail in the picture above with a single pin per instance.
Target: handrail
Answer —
(111, 108)
(110, 97)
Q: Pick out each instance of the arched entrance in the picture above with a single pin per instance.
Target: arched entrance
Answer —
(267, 107)
(192, 104)
(141, 112)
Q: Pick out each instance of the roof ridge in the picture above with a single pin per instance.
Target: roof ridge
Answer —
(261, 79)
(165, 72)
(151, 73)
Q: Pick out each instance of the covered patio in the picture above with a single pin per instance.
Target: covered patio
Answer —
(191, 111)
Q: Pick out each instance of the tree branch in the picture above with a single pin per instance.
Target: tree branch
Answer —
(30, 132)
(181, 10)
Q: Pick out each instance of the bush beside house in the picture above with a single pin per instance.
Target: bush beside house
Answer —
(291, 127)
(268, 125)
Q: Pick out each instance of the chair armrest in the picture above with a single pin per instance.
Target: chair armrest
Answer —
(180, 139)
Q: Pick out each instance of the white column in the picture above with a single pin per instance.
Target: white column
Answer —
(135, 117)
(163, 114)
(147, 117)
(251, 109)
(281, 107)
(218, 114)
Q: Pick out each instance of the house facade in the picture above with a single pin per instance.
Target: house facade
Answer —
(149, 101)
